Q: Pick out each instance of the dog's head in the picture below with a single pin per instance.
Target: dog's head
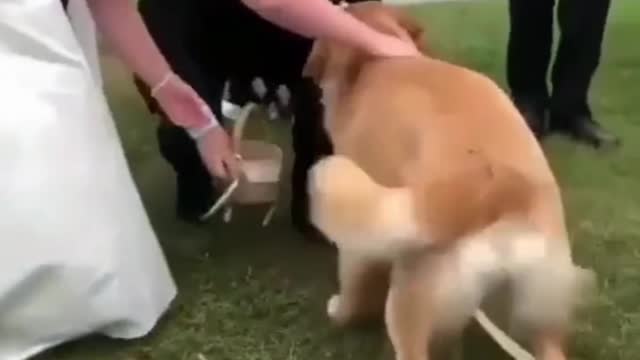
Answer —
(330, 59)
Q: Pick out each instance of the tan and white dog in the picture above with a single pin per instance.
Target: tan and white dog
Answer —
(438, 194)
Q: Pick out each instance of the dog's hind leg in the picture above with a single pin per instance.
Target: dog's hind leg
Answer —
(430, 302)
(409, 319)
(546, 296)
(364, 284)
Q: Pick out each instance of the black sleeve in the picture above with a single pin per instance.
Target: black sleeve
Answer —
(171, 25)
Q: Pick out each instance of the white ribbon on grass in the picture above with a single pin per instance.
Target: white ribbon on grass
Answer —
(503, 340)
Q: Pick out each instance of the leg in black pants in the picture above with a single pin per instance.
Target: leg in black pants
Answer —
(582, 26)
(310, 143)
(310, 140)
(528, 57)
(194, 189)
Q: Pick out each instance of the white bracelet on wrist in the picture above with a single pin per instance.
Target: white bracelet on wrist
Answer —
(162, 83)
(197, 133)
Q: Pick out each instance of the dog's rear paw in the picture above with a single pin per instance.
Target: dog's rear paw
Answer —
(333, 306)
(334, 310)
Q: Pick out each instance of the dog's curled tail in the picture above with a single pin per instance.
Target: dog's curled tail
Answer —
(358, 214)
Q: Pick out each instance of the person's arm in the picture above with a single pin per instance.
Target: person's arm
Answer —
(322, 19)
(122, 27)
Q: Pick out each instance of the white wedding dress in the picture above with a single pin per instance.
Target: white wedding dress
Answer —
(78, 254)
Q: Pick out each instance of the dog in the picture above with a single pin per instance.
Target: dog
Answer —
(437, 195)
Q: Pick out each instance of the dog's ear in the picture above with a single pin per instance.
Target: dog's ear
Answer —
(316, 64)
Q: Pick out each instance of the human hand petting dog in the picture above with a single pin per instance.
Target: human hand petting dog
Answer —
(320, 19)
(185, 108)
(389, 46)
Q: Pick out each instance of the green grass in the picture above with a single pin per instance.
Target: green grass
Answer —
(248, 293)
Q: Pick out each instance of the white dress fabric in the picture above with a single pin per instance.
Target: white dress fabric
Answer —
(78, 254)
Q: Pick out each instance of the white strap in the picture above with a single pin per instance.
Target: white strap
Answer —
(269, 215)
(507, 344)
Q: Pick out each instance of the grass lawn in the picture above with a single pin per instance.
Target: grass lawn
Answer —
(248, 293)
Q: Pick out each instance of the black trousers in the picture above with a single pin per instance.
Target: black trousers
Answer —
(582, 25)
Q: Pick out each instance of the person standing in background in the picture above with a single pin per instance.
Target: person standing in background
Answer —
(566, 109)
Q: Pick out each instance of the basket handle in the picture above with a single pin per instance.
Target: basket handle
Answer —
(240, 118)
(239, 124)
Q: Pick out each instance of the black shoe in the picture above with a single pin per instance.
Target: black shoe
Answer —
(194, 199)
(585, 130)
(536, 117)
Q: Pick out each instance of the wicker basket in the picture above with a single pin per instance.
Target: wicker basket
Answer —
(261, 166)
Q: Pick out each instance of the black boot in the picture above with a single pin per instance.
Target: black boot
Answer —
(582, 26)
(584, 129)
(535, 114)
(528, 57)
